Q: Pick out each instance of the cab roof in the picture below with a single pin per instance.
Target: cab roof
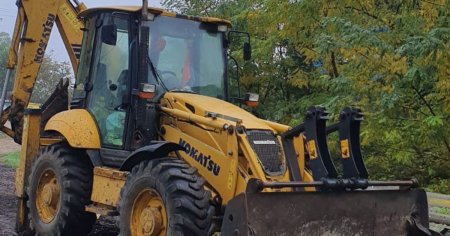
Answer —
(154, 10)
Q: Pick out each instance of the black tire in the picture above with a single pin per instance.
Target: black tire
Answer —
(73, 171)
(186, 202)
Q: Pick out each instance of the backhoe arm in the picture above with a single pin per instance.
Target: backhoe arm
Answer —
(34, 24)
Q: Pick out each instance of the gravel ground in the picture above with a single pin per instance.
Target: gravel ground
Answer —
(7, 201)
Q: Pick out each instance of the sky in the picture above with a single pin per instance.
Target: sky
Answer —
(8, 11)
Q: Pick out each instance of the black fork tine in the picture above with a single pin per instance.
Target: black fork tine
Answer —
(316, 140)
(349, 127)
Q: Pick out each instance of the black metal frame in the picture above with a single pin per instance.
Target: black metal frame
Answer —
(257, 185)
(378, 212)
(316, 139)
(320, 162)
(349, 126)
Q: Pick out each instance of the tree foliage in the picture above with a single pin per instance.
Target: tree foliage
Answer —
(50, 73)
(390, 58)
(5, 41)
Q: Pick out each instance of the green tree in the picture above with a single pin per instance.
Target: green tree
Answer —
(50, 73)
(390, 58)
(5, 41)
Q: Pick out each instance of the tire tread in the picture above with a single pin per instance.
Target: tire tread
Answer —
(178, 183)
(75, 171)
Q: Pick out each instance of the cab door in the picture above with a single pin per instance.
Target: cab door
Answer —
(110, 79)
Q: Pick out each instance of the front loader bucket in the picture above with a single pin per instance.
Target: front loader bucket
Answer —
(387, 212)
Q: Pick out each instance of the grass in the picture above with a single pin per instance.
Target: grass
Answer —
(10, 159)
(441, 210)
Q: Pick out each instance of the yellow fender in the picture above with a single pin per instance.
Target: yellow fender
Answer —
(77, 126)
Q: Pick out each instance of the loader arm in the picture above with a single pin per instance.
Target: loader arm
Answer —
(34, 24)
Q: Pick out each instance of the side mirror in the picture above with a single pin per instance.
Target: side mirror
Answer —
(247, 51)
(109, 34)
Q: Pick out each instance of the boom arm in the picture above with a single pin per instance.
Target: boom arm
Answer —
(34, 23)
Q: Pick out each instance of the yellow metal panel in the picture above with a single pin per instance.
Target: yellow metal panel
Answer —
(279, 128)
(107, 185)
(307, 177)
(213, 123)
(299, 145)
(120, 8)
(33, 105)
(49, 141)
(77, 126)
(345, 150)
(28, 151)
(241, 181)
(155, 10)
(212, 138)
(69, 26)
(232, 153)
(227, 111)
(312, 150)
(213, 165)
(65, 11)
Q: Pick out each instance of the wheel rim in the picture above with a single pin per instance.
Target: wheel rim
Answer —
(148, 215)
(47, 196)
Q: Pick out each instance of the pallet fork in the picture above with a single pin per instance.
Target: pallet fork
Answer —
(349, 208)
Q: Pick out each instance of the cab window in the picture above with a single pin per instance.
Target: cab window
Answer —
(110, 79)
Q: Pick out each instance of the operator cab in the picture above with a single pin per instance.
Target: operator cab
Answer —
(184, 53)
(124, 54)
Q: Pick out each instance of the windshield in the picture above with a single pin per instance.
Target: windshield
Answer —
(188, 56)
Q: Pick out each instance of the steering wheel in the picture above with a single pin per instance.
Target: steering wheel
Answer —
(172, 82)
(169, 78)
(162, 72)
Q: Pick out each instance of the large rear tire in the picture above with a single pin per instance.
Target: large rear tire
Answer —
(60, 186)
(164, 196)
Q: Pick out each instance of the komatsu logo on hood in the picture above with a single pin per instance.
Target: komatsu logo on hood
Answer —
(264, 142)
(202, 159)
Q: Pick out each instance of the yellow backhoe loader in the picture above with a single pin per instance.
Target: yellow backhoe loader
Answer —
(151, 135)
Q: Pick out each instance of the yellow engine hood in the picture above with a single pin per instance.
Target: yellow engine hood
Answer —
(201, 105)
